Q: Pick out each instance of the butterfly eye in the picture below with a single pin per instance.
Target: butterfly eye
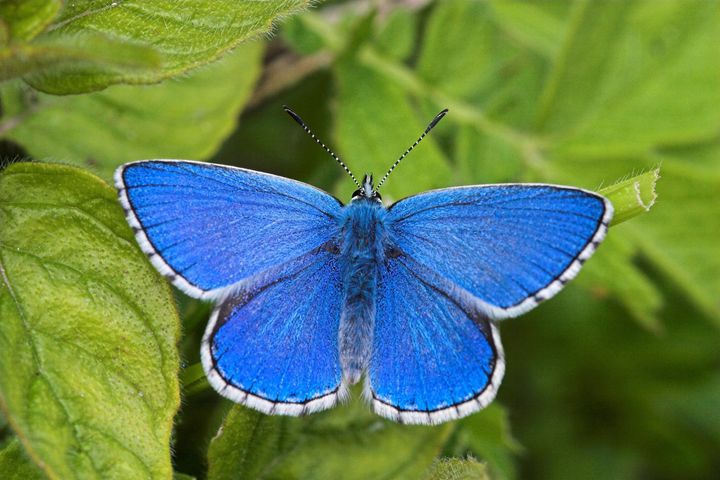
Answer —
(357, 194)
(376, 196)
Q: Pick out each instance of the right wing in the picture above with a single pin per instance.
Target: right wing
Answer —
(509, 246)
(207, 226)
(434, 359)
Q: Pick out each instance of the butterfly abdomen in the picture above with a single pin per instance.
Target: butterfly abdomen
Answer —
(362, 250)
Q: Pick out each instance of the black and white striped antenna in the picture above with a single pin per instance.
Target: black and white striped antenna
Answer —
(300, 122)
(430, 126)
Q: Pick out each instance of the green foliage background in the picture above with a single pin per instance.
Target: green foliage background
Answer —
(617, 377)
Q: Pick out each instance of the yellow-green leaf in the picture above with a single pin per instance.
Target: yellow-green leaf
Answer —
(184, 35)
(187, 118)
(88, 362)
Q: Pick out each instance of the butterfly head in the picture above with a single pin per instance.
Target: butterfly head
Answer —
(367, 190)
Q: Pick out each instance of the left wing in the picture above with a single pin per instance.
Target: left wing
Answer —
(273, 344)
(507, 247)
(207, 227)
(434, 359)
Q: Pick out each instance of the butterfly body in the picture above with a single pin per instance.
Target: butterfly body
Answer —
(363, 242)
(313, 295)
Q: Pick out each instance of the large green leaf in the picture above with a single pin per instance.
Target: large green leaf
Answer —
(348, 442)
(187, 118)
(88, 363)
(181, 35)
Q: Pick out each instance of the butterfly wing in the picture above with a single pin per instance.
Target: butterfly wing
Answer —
(273, 344)
(508, 246)
(434, 359)
(208, 226)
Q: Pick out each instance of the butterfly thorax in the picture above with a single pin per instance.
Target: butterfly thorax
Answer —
(362, 246)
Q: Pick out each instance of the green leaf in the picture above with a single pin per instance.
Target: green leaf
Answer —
(183, 36)
(484, 159)
(347, 442)
(457, 469)
(245, 445)
(448, 53)
(488, 437)
(612, 271)
(74, 59)
(681, 237)
(632, 79)
(300, 38)
(15, 465)
(88, 363)
(188, 118)
(530, 24)
(397, 36)
(375, 124)
(25, 19)
(632, 75)
(573, 84)
(591, 392)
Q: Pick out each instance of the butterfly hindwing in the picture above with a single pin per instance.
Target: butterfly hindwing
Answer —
(273, 345)
(209, 226)
(510, 246)
(434, 359)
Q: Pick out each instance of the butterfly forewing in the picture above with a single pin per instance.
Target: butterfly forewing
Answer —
(209, 226)
(510, 246)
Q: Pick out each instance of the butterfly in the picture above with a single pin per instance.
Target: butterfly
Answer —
(313, 295)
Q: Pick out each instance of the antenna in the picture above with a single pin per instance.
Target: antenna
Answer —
(300, 122)
(430, 126)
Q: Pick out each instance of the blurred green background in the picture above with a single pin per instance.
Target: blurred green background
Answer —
(617, 377)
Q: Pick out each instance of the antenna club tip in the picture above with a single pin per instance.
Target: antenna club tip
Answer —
(435, 120)
(294, 115)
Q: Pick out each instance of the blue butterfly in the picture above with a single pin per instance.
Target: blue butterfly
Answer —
(313, 295)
